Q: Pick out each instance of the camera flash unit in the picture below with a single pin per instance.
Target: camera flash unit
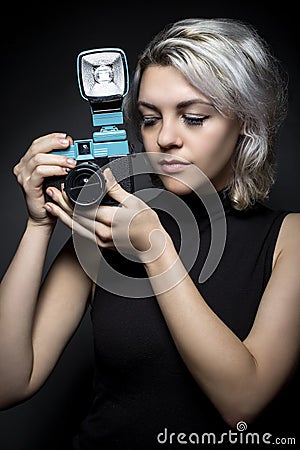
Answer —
(103, 81)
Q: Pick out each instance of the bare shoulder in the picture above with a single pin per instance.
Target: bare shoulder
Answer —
(288, 242)
(292, 221)
(274, 337)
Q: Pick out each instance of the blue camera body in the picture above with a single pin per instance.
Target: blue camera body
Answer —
(109, 147)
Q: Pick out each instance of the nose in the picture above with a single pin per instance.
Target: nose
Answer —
(169, 136)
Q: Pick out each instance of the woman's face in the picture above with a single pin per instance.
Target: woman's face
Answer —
(183, 129)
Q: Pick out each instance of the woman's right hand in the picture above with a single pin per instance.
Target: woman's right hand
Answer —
(35, 166)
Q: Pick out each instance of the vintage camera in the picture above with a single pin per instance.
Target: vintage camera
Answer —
(103, 81)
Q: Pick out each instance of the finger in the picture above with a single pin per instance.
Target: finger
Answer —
(98, 224)
(62, 215)
(102, 213)
(114, 189)
(45, 144)
(105, 214)
(83, 226)
(45, 159)
(42, 166)
(58, 197)
(45, 137)
(66, 198)
(97, 229)
(36, 178)
(67, 219)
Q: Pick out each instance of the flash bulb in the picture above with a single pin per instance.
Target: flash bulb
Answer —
(103, 74)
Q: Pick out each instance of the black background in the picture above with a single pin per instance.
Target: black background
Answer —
(40, 95)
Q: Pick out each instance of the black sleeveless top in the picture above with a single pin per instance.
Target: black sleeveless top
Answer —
(143, 390)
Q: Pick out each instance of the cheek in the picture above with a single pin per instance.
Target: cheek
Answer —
(219, 145)
(149, 141)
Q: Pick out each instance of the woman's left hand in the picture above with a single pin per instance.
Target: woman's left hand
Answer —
(132, 227)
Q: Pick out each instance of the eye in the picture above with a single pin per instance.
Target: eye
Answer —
(148, 121)
(191, 120)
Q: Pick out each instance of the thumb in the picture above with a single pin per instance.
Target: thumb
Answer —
(113, 188)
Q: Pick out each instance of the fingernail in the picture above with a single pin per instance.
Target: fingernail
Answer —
(71, 161)
(63, 141)
(48, 208)
(49, 192)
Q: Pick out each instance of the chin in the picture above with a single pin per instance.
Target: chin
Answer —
(175, 186)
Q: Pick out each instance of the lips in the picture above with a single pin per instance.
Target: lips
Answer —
(173, 165)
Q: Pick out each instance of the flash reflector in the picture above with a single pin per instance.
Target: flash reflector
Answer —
(103, 78)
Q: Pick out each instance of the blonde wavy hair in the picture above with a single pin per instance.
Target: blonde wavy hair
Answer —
(232, 65)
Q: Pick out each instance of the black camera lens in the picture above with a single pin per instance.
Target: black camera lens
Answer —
(85, 184)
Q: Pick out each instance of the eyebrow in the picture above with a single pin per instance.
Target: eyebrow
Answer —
(180, 105)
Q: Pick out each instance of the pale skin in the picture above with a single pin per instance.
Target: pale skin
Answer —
(180, 124)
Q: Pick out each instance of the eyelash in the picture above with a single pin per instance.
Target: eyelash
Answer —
(188, 120)
(194, 120)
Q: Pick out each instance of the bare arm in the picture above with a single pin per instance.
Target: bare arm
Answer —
(36, 324)
(239, 377)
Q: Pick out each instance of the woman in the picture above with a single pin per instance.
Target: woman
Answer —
(196, 357)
